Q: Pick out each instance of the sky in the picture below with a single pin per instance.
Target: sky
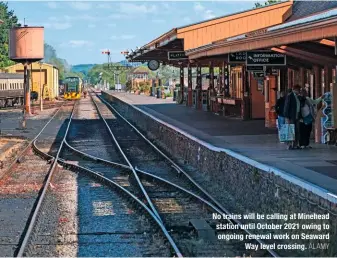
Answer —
(79, 31)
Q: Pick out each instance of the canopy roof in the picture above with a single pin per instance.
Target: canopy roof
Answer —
(197, 34)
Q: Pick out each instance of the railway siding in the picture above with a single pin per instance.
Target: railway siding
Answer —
(251, 189)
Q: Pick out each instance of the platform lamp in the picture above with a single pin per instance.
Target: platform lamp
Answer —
(26, 45)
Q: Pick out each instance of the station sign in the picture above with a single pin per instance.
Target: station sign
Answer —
(254, 68)
(258, 75)
(177, 55)
(238, 57)
(268, 58)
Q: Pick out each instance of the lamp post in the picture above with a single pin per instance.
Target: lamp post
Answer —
(41, 91)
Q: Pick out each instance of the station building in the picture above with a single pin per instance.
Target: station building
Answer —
(259, 53)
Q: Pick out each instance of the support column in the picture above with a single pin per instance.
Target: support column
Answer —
(27, 90)
(226, 81)
(182, 83)
(327, 78)
(189, 78)
(211, 87)
(221, 77)
(199, 88)
(302, 80)
(246, 95)
(289, 77)
(317, 89)
(26, 94)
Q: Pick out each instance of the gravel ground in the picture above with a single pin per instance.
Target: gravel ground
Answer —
(56, 229)
(10, 123)
(9, 149)
(18, 192)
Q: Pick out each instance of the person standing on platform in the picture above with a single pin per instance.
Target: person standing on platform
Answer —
(292, 108)
(307, 118)
(279, 108)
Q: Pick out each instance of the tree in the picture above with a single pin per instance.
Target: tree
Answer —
(50, 57)
(107, 74)
(266, 3)
(9, 21)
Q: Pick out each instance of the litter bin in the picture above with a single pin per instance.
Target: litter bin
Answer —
(158, 93)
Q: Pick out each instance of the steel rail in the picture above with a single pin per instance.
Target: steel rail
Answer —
(21, 154)
(108, 162)
(177, 167)
(96, 158)
(111, 182)
(42, 195)
(127, 160)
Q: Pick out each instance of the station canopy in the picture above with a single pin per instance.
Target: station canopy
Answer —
(303, 30)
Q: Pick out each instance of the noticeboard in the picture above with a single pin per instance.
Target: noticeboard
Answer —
(271, 71)
(239, 57)
(177, 55)
(258, 75)
(255, 68)
(268, 58)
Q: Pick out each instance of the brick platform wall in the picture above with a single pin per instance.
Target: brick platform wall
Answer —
(238, 186)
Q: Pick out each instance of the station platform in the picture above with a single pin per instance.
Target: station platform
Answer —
(317, 166)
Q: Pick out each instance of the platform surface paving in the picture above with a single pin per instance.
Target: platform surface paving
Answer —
(249, 138)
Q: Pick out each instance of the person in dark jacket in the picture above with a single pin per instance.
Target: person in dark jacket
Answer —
(279, 108)
(307, 118)
(292, 108)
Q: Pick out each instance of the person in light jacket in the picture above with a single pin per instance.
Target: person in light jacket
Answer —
(279, 108)
(292, 108)
(307, 118)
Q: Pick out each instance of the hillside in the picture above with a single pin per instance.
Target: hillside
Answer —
(82, 68)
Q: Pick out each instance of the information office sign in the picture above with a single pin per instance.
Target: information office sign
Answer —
(239, 57)
(177, 55)
(268, 58)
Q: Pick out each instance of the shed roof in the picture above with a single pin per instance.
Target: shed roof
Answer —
(46, 64)
(11, 76)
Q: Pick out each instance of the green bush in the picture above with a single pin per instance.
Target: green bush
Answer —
(169, 94)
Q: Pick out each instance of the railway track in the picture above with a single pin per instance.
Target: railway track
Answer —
(154, 185)
(176, 205)
(34, 106)
(124, 231)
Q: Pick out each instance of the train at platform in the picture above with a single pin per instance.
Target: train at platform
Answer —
(11, 89)
(73, 88)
